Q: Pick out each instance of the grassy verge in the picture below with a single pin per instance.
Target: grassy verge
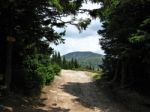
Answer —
(93, 73)
(96, 75)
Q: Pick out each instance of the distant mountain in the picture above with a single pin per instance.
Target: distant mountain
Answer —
(85, 58)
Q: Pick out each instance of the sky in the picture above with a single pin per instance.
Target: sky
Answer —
(87, 40)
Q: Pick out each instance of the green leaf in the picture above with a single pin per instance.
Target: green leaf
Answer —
(56, 3)
(137, 39)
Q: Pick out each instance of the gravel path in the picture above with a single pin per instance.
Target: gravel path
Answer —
(72, 91)
(75, 91)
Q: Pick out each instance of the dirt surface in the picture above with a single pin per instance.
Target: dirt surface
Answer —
(75, 91)
(72, 91)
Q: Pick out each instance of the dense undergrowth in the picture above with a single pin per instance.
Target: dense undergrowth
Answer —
(37, 71)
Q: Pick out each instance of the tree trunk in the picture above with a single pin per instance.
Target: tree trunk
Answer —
(123, 74)
(116, 72)
(8, 71)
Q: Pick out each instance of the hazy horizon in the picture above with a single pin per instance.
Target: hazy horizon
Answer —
(80, 51)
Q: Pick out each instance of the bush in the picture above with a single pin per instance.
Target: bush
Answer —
(56, 69)
(33, 73)
(50, 74)
(37, 71)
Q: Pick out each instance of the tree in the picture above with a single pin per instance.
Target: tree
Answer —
(64, 63)
(125, 40)
(31, 24)
(76, 64)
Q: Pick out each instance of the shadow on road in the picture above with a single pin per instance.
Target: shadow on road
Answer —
(24, 104)
(88, 95)
(58, 109)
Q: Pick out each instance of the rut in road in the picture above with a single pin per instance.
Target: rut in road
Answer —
(75, 91)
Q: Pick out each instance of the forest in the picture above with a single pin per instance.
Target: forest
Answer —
(27, 31)
(126, 40)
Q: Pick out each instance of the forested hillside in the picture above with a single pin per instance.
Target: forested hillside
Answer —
(63, 62)
(86, 59)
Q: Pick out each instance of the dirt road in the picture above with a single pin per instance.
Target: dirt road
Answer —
(75, 91)
(72, 91)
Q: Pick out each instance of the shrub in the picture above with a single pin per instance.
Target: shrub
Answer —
(50, 74)
(56, 69)
(33, 73)
(37, 71)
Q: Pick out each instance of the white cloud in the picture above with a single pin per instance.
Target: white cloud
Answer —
(88, 40)
(73, 32)
(90, 43)
(90, 6)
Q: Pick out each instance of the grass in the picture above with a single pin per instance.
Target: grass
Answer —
(96, 75)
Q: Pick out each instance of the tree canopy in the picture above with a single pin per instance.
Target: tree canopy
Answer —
(26, 31)
(126, 38)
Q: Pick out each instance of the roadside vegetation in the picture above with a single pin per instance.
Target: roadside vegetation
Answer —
(27, 29)
(38, 70)
(96, 75)
(125, 40)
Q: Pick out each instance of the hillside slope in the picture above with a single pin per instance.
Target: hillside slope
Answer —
(85, 58)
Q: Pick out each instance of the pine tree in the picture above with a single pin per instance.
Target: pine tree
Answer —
(76, 63)
(125, 36)
(64, 63)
